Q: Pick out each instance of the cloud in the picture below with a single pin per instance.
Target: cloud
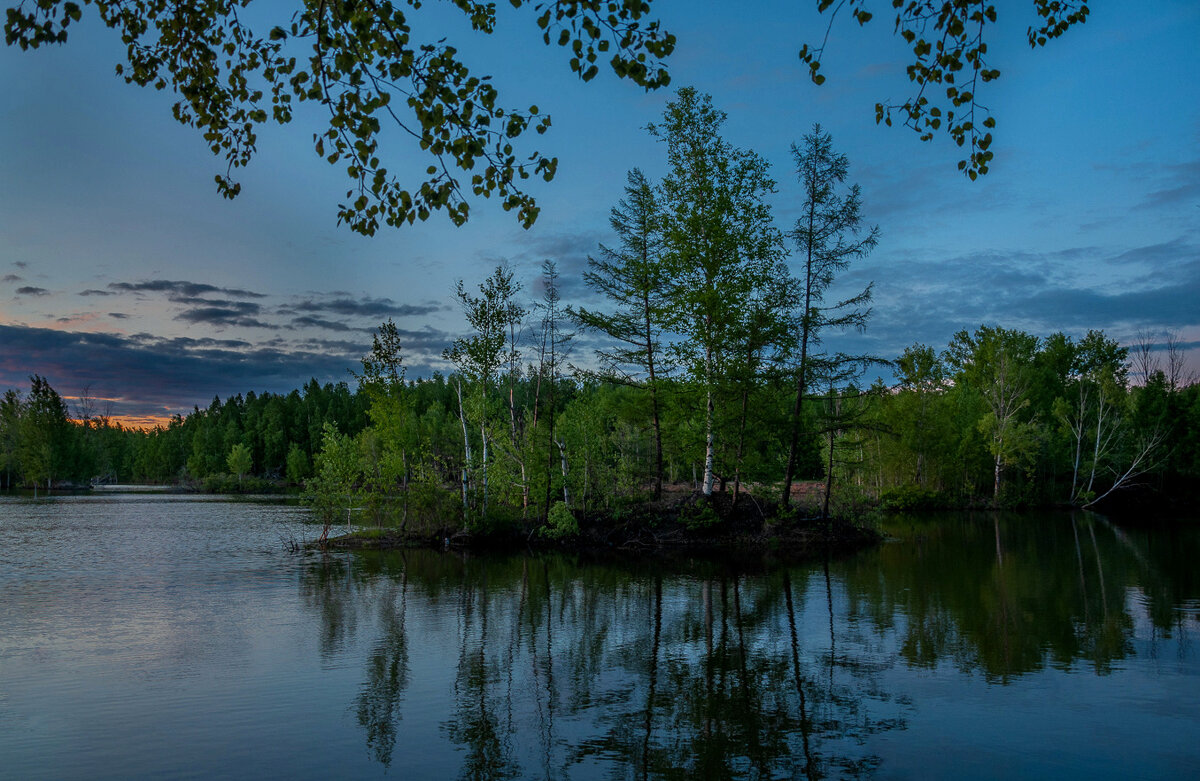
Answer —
(94, 292)
(1182, 186)
(570, 252)
(308, 321)
(561, 247)
(176, 289)
(1161, 257)
(146, 375)
(11, 278)
(365, 307)
(927, 299)
(32, 291)
(224, 316)
(156, 376)
(221, 313)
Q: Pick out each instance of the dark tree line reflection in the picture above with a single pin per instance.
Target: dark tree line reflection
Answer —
(562, 668)
(1010, 595)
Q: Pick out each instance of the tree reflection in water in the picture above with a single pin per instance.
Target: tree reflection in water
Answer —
(387, 672)
(556, 667)
(562, 665)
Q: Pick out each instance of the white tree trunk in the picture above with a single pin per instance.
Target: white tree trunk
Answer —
(462, 418)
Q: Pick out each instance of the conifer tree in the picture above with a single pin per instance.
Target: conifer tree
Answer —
(631, 278)
(828, 236)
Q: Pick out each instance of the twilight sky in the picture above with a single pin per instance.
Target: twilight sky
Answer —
(123, 271)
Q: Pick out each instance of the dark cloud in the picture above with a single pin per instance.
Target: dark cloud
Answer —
(118, 315)
(1160, 259)
(224, 316)
(417, 345)
(156, 375)
(1181, 185)
(94, 292)
(308, 321)
(20, 264)
(190, 343)
(570, 252)
(221, 313)
(562, 248)
(248, 307)
(334, 346)
(151, 375)
(12, 278)
(180, 289)
(32, 291)
(927, 300)
(364, 307)
(424, 340)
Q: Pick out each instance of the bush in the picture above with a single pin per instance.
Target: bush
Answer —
(911, 497)
(560, 522)
(432, 505)
(700, 515)
(230, 484)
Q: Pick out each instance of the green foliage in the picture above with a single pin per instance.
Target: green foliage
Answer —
(383, 368)
(432, 501)
(828, 235)
(332, 491)
(722, 254)
(239, 460)
(299, 466)
(912, 497)
(950, 53)
(632, 280)
(220, 483)
(44, 434)
(354, 59)
(560, 522)
(699, 516)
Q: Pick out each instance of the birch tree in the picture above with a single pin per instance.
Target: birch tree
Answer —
(718, 240)
(996, 363)
(479, 356)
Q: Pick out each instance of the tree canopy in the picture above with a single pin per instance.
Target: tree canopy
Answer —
(949, 53)
(363, 63)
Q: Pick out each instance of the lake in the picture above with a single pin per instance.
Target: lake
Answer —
(147, 635)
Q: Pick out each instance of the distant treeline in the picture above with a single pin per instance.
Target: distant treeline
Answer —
(1004, 418)
(999, 417)
(44, 443)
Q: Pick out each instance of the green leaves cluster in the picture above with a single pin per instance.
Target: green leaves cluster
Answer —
(949, 53)
(360, 61)
(1004, 417)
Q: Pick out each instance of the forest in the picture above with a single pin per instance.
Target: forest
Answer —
(997, 417)
(700, 367)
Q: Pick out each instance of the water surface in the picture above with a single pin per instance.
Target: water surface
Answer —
(179, 636)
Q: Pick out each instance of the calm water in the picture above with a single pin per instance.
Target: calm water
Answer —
(165, 636)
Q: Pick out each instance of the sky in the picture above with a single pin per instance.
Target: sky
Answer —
(126, 277)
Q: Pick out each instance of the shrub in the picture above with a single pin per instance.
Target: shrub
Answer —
(911, 497)
(560, 522)
(230, 484)
(698, 516)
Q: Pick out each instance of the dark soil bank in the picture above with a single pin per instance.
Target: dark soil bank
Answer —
(688, 525)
